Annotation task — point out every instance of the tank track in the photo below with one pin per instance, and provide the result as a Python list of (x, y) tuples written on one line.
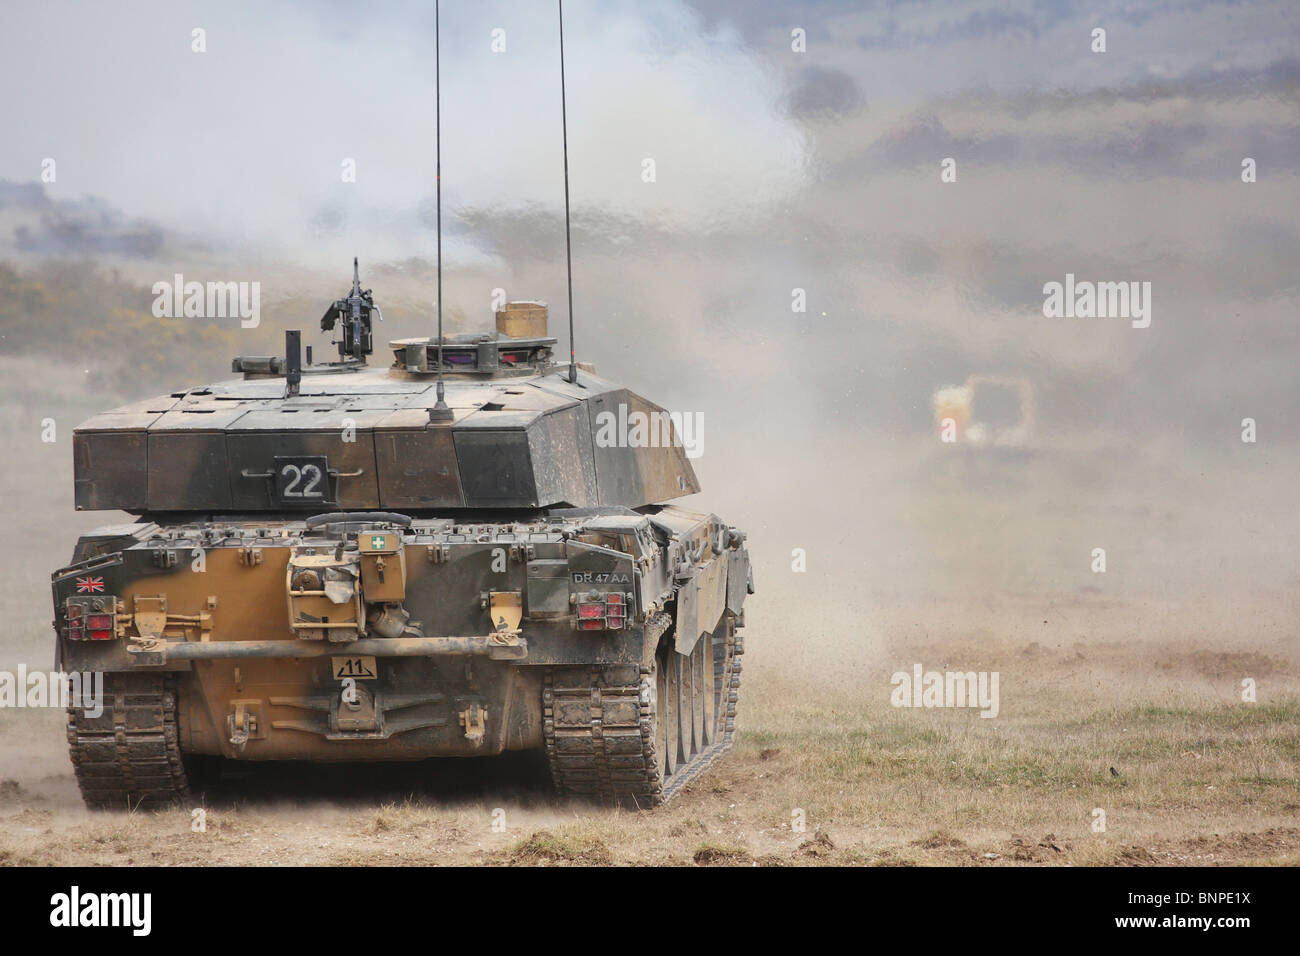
[(600, 727), (129, 757)]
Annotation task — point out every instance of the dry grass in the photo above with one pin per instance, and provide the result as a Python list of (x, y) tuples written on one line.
[(567, 846), (1138, 670), (1203, 778)]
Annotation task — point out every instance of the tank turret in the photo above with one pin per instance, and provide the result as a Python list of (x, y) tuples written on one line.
[(520, 435)]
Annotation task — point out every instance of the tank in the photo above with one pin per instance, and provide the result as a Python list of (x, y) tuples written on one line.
[(464, 553)]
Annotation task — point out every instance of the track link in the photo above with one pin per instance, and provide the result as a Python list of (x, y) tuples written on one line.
[(601, 725), (129, 756)]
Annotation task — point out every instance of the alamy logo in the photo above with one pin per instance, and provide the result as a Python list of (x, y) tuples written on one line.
[(103, 909), (82, 690), (923, 688), (213, 300), (1098, 300), (651, 430)]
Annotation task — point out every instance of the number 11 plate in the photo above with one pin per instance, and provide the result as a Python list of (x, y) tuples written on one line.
[(358, 668)]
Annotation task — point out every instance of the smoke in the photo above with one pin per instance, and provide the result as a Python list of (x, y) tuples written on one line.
[(797, 271), (247, 142)]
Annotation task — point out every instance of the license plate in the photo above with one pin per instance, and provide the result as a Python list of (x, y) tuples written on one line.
[(358, 668)]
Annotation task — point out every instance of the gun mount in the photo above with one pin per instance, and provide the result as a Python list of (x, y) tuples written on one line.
[(353, 310)]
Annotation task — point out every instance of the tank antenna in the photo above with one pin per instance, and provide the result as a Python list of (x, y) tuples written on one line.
[(568, 245), (440, 411)]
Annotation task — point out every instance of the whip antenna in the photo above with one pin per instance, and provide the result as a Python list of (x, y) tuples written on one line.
[(568, 244), (440, 411)]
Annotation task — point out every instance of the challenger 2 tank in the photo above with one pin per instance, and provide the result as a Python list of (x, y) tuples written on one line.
[(332, 563)]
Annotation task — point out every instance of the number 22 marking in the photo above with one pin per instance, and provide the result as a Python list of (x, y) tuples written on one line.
[(307, 471)]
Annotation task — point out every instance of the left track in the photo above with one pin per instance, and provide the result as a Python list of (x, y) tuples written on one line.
[(129, 756)]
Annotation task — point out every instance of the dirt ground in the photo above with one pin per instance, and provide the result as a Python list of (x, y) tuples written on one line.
[(841, 777)]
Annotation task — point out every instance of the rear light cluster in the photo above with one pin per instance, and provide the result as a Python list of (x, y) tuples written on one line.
[(598, 612), (92, 619)]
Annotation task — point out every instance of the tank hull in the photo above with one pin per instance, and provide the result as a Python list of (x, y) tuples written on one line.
[(386, 637)]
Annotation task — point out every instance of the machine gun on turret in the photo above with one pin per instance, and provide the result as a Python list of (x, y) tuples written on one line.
[(354, 312)]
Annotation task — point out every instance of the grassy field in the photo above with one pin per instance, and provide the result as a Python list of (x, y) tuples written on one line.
[(837, 777)]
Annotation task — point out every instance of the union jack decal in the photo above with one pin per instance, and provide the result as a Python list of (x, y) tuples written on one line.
[(89, 585)]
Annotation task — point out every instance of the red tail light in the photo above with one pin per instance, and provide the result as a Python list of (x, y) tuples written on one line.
[(91, 618), (615, 611), (609, 611)]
